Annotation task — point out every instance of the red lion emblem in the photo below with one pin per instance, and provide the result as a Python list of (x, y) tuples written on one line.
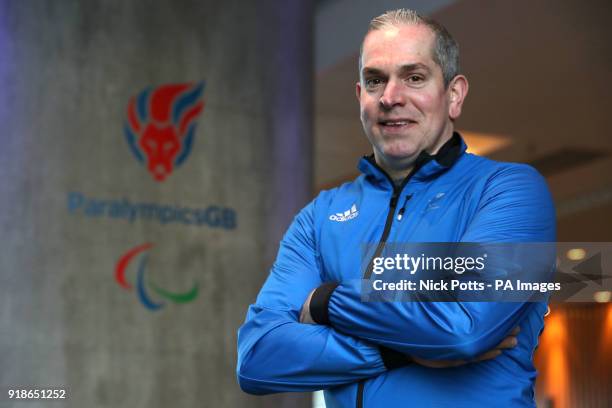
[(161, 125)]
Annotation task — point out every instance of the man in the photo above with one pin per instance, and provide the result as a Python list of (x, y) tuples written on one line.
[(309, 328)]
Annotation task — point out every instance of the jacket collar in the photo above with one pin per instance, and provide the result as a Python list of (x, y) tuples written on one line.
[(426, 165)]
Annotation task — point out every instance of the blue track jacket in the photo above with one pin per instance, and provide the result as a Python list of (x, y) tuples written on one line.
[(353, 357)]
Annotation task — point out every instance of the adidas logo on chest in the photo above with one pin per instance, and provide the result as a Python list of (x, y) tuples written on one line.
[(345, 216)]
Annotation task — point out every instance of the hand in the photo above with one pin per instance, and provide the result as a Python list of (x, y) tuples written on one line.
[(305, 312), (507, 343)]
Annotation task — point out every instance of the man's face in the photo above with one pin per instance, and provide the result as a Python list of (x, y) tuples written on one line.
[(404, 105)]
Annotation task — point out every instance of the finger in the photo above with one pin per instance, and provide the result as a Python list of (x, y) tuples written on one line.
[(515, 331), (507, 343), (488, 355), (303, 314), (439, 363), (452, 363)]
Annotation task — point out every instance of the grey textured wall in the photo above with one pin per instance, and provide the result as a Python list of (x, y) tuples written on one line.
[(67, 72)]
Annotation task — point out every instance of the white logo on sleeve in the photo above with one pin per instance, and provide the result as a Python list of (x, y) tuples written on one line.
[(345, 216), (434, 203)]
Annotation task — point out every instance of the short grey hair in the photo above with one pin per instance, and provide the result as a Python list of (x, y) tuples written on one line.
[(446, 50)]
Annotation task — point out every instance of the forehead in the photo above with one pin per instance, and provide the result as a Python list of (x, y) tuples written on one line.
[(397, 46)]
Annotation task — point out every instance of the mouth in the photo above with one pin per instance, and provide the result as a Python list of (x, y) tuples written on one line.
[(396, 124)]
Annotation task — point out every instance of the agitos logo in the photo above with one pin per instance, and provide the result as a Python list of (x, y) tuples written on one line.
[(142, 288), (160, 125)]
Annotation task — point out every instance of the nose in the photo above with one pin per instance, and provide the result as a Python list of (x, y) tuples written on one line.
[(393, 95)]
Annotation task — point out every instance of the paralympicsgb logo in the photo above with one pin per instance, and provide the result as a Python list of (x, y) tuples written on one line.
[(145, 286), (161, 124)]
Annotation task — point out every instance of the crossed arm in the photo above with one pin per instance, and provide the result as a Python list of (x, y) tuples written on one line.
[(277, 352)]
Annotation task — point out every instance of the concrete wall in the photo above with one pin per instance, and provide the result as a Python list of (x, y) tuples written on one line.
[(67, 72)]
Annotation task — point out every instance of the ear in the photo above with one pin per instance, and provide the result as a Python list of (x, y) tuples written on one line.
[(358, 90), (457, 91)]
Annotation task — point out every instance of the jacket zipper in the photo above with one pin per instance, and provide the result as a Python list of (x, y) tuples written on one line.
[(360, 393), (386, 231), (397, 190), (381, 244)]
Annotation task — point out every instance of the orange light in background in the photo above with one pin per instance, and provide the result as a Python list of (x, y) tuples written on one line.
[(554, 339), (606, 338), (484, 143), (575, 356)]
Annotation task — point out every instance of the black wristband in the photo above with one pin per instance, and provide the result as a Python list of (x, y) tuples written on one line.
[(319, 302), (393, 359)]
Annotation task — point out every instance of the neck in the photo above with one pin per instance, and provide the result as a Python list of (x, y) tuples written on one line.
[(397, 174), (399, 169)]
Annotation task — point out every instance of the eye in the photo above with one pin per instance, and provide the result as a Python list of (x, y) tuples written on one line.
[(372, 83), (415, 78)]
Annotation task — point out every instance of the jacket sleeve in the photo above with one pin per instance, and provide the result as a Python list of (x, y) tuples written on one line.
[(276, 353), (515, 207)]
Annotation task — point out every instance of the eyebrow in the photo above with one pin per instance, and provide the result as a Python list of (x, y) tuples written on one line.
[(414, 67), (404, 68)]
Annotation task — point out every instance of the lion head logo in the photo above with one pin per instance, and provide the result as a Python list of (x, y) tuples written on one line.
[(161, 124)]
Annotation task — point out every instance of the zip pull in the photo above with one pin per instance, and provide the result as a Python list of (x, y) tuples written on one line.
[(400, 215)]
